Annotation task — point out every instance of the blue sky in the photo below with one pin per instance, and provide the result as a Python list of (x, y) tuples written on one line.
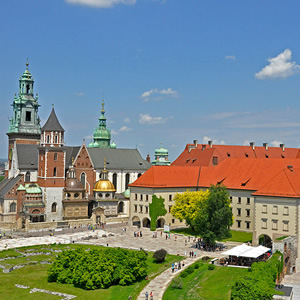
[(170, 71)]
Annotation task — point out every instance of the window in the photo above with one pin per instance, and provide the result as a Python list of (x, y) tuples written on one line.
[(170, 198), (48, 139), (139, 175), (76, 195), (215, 160), (248, 201), (275, 224), (248, 212), (55, 156), (173, 221), (135, 197), (127, 179), (121, 207), (285, 225), (264, 223), (141, 208), (83, 179), (170, 207), (28, 116), (230, 199), (147, 198), (141, 197), (275, 210), (27, 177), (115, 176), (247, 225), (147, 209), (239, 200), (238, 211), (56, 139), (264, 209), (13, 207), (135, 208), (53, 207), (286, 210), (54, 172), (27, 89)]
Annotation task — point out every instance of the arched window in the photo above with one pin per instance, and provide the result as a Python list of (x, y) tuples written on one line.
[(13, 207), (55, 156), (54, 172), (56, 139), (48, 139), (139, 175), (27, 177), (27, 89), (53, 207), (121, 207), (83, 179), (115, 180), (127, 178)]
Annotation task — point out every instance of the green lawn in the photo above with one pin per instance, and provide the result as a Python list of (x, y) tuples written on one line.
[(35, 276), (237, 236), (205, 284)]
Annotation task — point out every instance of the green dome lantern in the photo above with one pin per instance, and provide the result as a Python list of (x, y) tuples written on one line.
[(161, 157)]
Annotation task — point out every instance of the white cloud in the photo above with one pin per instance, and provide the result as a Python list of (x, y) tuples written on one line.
[(207, 138), (157, 94), (114, 132), (79, 94), (124, 129), (147, 119), (275, 143), (126, 120), (101, 3), (280, 66), (230, 57)]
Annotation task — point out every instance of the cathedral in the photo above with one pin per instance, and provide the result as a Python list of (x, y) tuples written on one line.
[(48, 184)]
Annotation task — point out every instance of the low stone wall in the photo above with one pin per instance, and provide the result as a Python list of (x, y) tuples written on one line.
[(12, 226), (117, 220), (41, 225), (80, 223)]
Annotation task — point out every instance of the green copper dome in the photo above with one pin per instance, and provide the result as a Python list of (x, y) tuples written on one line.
[(21, 188), (126, 193), (113, 145), (161, 157), (33, 188)]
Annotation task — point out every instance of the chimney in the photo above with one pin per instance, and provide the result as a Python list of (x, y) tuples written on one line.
[(282, 146), (196, 143), (210, 144), (290, 167), (148, 158), (252, 145), (266, 146)]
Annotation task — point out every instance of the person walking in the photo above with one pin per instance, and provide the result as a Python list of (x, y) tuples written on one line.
[(173, 266), (151, 295), (146, 295)]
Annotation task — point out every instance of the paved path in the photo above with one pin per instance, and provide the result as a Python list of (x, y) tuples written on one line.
[(160, 283), (294, 281)]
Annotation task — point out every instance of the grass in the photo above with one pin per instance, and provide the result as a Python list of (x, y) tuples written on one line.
[(236, 236), (281, 238), (206, 284), (9, 253), (35, 276)]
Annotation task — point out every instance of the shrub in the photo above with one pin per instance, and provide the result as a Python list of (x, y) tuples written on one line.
[(190, 269), (177, 283), (160, 255), (197, 266), (184, 274), (205, 258), (211, 267)]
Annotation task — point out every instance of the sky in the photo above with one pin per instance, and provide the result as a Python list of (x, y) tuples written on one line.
[(169, 71)]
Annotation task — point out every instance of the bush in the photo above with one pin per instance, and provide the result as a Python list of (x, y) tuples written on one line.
[(205, 258), (197, 266), (184, 274), (177, 283), (98, 268), (190, 269), (160, 255), (211, 267)]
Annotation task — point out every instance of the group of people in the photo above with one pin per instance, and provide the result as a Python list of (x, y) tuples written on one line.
[(177, 266), (193, 254), (138, 234), (147, 295)]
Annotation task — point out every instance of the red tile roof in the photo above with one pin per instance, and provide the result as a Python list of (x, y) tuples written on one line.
[(202, 154)]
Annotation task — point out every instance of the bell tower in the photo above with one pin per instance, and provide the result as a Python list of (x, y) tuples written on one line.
[(24, 127)]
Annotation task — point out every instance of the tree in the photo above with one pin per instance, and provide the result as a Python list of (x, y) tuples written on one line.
[(159, 255), (156, 209), (187, 204), (208, 213)]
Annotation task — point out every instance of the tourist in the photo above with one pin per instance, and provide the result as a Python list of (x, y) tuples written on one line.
[(141, 234), (166, 236), (175, 238), (182, 263), (173, 267), (195, 254), (151, 296), (146, 295), (176, 266), (179, 266)]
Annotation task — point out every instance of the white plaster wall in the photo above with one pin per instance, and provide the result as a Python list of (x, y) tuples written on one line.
[(52, 195)]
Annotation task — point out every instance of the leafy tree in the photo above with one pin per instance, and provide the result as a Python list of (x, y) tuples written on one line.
[(208, 213), (156, 209), (187, 205)]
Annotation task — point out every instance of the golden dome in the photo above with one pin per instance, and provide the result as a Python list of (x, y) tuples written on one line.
[(104, 186)]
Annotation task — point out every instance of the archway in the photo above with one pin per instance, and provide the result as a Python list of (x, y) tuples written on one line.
[(121, 207), (136, 221), (160, 223), (265, 240), (146, 223)]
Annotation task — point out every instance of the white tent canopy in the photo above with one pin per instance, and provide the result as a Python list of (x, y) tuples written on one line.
[(247, 251)]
